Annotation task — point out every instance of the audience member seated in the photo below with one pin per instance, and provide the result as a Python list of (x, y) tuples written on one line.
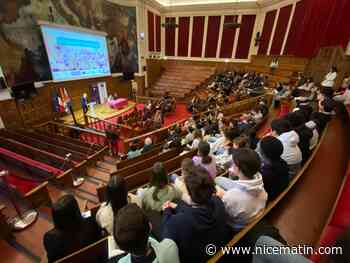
[(329, 79), (246, 197), (343, 97), (315, 135), (205, 160), (325, 111), (133, 151), (274, 169), (291, 153), (71, 230), (131, 233), (116, 198), (197, 138), (195, 226), (187, 167), (159, 191), (297, 122), (148, 145)]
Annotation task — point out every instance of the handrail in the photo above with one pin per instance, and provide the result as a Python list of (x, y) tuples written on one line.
[(271, 205)]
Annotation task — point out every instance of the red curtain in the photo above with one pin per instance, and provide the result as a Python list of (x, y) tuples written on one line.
[(228, 37), (245, 36), (212, 36), (197, 36), (158, 34), (266, 33), (170, 37), (298, 18), (150, 17), (184, 26), (280, 30), (325, 23)]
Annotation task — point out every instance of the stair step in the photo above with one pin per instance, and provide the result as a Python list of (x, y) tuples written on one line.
[(110, 167), (98, 174)]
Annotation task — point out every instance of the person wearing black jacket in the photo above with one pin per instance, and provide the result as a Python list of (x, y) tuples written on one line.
[(274, 169), (194, 226), (71, 232)]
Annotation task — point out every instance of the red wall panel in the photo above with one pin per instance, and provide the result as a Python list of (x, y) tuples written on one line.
[(170, 37), (267, 30), (228, 38), (197, 36), (281, 29), (245, 36), (158, 34), (150, 17), (297, 21), (184, 30), (266, 33), (212, 36)]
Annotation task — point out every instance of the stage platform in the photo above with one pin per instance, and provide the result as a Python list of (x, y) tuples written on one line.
[(102, 111)]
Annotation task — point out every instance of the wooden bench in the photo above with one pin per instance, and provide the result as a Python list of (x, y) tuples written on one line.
[(144, 164), (144, 156), (45, 146), (96, 252)]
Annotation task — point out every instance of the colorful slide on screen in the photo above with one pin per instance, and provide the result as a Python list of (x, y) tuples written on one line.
[(75, 55)]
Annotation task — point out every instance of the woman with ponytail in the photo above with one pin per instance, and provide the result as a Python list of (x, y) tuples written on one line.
[(205, 160)]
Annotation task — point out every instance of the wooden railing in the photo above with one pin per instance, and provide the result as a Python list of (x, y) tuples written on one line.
[(89, 135), (102, 125)]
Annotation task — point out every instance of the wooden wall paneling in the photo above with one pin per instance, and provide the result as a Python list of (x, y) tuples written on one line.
[(9, 114), (154, 70)]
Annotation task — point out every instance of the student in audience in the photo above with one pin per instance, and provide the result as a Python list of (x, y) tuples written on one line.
[(344, 97), (160, 190), (297, 122), (195, 226), (148, 145), (132, 234), (187, 167), (325, 112), (205, 160), (330, 78), (246, 197), (117, 197), (274, 169), (71, 231), (291, 152), (315, 135), (133, 151), (197, 138)]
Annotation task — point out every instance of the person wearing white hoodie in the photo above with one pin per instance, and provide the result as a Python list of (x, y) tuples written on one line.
[(290, 139), (246, 197)]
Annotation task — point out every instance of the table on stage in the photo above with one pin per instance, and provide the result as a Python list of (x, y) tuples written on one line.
[(118, 103)]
